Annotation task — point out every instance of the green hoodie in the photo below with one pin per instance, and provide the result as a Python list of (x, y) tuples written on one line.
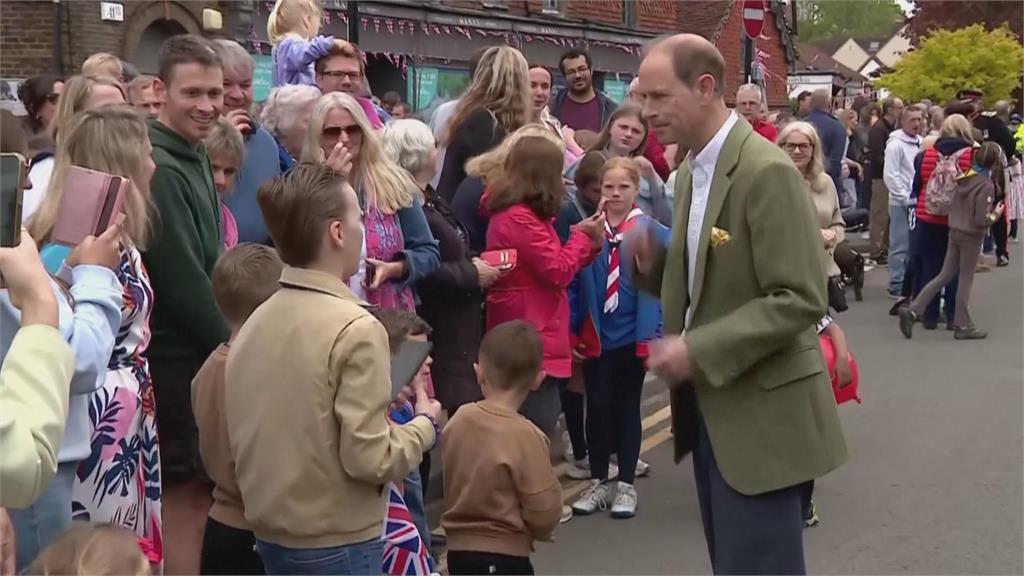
[(184, 245)]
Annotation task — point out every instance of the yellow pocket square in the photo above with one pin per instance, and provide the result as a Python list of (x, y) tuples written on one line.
[(719, 237)]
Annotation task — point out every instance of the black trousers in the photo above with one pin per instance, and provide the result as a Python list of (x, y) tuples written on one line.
[(615, 383), (228, 550), (999, 237), (760, 534), (476, 563)]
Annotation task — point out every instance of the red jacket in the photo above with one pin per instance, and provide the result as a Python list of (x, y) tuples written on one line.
[(929, 160), (766, 129), (655, 152), (536, 290)]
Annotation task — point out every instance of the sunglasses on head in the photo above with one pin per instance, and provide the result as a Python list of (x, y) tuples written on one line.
[(335, 131)]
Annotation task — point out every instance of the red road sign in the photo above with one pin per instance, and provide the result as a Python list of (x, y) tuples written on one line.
[(753, 18)]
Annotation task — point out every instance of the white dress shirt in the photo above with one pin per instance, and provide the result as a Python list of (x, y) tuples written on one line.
[(702, 166)]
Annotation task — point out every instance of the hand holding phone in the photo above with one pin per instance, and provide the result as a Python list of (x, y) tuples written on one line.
[(103, 251), (95, 203), (12, 190), (27, 282)]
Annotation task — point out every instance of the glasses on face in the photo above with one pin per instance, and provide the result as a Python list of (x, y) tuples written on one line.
[(794, 146), (341, 75), (334, 132), (574, 71)]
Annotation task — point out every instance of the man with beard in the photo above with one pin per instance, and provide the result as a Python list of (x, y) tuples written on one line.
[(260, 164), (579, 106), (184, 246)]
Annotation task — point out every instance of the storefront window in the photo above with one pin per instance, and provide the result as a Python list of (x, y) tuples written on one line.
[(429, 86)]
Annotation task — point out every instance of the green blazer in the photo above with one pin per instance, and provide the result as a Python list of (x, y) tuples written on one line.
[(759, 378)]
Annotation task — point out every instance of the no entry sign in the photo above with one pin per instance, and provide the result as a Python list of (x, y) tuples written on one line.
[(753, 18)]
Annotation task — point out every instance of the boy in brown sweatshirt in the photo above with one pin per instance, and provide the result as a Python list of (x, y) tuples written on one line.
[(500, 492), (243, 278)]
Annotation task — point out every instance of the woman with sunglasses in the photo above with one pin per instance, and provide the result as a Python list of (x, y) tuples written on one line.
[(78, 94), (398, 248)]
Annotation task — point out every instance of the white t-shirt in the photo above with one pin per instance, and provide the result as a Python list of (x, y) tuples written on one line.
[(39, 176)]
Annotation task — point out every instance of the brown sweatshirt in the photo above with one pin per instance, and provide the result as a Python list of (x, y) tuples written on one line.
[(500, 492), (972, 202), (214, 447)]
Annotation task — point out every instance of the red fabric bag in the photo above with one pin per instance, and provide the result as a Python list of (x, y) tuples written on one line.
[(846, 393)]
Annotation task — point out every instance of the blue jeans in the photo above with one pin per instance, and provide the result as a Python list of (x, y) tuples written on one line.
[(413, 497), (362, 558), (37, 526), (899, 246)]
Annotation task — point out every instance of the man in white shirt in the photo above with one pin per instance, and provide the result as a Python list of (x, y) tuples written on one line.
[(742, 285), (900, 151)]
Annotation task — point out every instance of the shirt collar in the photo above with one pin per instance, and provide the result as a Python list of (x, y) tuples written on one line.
[(317, 281), (706, 159)]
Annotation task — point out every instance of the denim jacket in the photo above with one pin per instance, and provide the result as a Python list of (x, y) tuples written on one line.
[(90, 328)]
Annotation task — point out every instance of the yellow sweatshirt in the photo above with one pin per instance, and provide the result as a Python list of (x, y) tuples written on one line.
[(34, 389)]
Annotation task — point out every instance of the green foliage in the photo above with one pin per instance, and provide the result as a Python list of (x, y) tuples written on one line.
[(948, 60), (818, 19)]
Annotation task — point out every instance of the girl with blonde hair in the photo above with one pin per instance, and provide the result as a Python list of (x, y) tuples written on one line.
[(496, 104), (293, 28), (93, 550), (481, 172), (80, 93), (119, 482), (399, 249)]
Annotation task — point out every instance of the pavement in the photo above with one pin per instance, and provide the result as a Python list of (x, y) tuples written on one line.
[(933, 484)]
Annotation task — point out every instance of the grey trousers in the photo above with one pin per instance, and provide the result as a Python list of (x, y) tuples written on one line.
[(962, 257), (879, 224)]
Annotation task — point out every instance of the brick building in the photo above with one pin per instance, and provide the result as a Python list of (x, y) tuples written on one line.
[(418, 48)]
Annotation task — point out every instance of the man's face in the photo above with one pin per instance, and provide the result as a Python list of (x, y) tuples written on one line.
[(146, 100), (400, 111), (748, 104), (341, 74), (804, 105), (339, 126), (540, 88), (912, 122), (193, 100), (103, 95), (237, 90), (350, 230), (671, 108), (578, 74), (896, 111)]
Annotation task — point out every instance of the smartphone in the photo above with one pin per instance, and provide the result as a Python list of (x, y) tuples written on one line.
[(406, 363), (97, 199), (12, 193)]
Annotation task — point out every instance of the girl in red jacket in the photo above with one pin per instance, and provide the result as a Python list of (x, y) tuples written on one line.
[(523, 202)]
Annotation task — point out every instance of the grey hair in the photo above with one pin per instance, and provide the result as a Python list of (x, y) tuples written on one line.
[(751, 88), (284, 105), (409, 143), (234, 57)]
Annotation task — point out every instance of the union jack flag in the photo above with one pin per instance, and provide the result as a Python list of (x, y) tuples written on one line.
[(405, 553)]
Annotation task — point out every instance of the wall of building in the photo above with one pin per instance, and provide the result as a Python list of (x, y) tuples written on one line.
[(851, 55), (891, 52), (730, 43)]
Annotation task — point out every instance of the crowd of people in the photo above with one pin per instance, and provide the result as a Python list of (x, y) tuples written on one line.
[(205, 387)]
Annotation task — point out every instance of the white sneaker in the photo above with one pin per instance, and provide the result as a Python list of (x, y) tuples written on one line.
[(643, 469), (593, 499), (566, 515), (625, 501), (580, 469)]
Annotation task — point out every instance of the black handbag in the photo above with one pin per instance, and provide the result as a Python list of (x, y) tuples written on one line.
[(837, 294)]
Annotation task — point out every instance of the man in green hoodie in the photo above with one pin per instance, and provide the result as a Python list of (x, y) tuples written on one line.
[(186, 242)]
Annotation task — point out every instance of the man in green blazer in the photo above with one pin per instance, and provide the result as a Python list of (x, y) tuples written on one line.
[(742, 286)]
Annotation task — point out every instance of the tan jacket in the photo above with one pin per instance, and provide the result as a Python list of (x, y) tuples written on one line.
[(308, 386), (500, 493), (214, 447)]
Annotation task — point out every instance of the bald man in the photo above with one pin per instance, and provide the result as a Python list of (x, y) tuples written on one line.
[(742, 285)]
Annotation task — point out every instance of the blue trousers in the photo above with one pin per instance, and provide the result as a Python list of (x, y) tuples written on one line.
[(929, 246), (413, 496), (362, 558), (761, 534), (37, 526)]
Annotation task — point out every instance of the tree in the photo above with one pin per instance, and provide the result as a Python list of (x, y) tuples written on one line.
[(948, 60), (952, 14), (819, 19)]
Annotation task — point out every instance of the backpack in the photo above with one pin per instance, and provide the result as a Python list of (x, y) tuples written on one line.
[(942, 185)]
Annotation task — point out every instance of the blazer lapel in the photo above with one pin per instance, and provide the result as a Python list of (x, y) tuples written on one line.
[(720, 186)]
